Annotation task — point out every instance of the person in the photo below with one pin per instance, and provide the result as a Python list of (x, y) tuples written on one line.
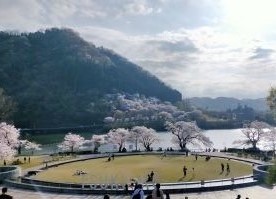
[(25, 159), (157, 193), (29, 159), (227, 168), (149, 178), (106, 196), (4, 195), (151, 175), (222, 167), (238, 196), (184, 171), (167, 195), (138, 192), (126, 188), (5, 163)]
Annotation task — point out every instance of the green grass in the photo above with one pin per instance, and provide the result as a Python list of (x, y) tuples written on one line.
[(122, 169)]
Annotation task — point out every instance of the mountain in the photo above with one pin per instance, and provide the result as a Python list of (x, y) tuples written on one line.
[(57, 78), (224, 103)]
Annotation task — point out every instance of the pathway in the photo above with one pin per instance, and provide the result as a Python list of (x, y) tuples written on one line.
[(255, 192)]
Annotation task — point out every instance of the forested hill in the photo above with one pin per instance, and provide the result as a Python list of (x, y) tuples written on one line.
[(224, 103), (56, 78)]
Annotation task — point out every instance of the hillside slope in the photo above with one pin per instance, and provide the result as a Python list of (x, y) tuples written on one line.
[(56, 78)]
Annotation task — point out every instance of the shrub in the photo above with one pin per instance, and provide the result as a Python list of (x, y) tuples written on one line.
[(271, 177)]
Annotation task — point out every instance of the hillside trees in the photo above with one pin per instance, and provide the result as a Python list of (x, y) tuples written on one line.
[(55, 76), (271, 100), (7, 106)]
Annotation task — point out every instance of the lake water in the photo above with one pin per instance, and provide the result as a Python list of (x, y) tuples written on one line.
[(220, 139)]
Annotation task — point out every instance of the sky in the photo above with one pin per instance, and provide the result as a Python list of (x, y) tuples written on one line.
[(203, 48)]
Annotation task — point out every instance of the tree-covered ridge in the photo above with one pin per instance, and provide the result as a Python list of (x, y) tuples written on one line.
[(55, 75)]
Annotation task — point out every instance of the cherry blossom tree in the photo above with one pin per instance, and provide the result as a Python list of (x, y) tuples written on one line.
[(147, 137), (187, 133), (71, 142), (9, 141), (253, 133), (134, 136), (98, 140), (32, 146), (118, 136)]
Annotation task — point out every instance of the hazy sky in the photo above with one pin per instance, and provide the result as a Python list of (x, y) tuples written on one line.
[(200, 47)]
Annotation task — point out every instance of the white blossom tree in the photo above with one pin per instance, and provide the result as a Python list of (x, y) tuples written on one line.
[(32, 146), (98, 140), (187, 133), (118, 136), (147, 137), (71, 142), (9, 141), (253, 133)]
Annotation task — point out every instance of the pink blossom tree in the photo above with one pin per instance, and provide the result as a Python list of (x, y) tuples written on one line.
[(9, 141), (71, 142), (187, 133), (98, 140), (118, 136)]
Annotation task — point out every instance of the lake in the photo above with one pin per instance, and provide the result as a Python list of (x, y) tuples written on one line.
[(220, 138)]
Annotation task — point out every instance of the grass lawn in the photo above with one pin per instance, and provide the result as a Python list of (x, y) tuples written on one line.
[(122, 169), (34, 161), (37, 160)]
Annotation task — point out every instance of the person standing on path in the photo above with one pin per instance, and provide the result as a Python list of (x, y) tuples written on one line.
[(4, 195), (157, 193), (138, 192)]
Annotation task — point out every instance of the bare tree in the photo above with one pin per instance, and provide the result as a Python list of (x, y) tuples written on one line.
[(253, 133), (187, 133)]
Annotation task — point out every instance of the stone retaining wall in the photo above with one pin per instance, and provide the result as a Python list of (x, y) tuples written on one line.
[(9, 172)]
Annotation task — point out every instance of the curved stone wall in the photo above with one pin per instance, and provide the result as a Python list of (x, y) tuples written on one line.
[(260, 172), (28, 183), (9, 172)]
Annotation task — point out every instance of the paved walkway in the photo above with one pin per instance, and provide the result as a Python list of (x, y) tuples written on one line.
[(255, 192)]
